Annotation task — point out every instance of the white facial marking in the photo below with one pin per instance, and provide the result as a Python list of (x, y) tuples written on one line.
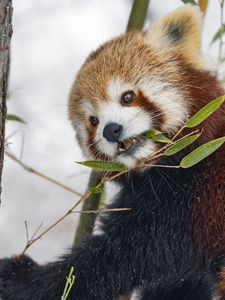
[(88, 108), (169, 99), (116, 87), (82, 136), (135, 120)]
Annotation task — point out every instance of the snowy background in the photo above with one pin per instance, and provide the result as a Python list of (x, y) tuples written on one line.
[(51, 40)]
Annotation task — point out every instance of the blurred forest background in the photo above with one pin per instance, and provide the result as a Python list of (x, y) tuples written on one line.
[(51, 39)]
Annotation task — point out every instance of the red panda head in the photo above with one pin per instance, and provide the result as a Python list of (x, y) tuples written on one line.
[(134, 83)]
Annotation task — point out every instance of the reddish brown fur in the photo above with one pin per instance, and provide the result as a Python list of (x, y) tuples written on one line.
[(208, 214), (127, 50), (98, 51), (150, 107), (198, 88), (208, 218), (92, 145), (203, 88)]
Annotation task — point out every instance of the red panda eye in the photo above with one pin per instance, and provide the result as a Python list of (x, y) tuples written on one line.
[(94, 121), (127, 97)]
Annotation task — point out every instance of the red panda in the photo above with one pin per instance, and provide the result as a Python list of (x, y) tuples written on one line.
[(171, 245)]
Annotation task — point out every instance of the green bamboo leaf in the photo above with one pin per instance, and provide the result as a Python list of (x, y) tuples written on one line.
[(97, 190), (218, 34), (103, 165), (205, 112), (202, 152), (150, 133), (162, 139), (69, 284), (157, 136), (102, 199), (15, 119), (180, 145)]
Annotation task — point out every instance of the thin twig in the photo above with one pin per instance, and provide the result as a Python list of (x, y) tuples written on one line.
[(178, 132), (165, 166), (89, 193), (114, 176), (32, 241), (70, 211), (189, 134), (101, 210), (34, 171), (36, 231), (27, 232)]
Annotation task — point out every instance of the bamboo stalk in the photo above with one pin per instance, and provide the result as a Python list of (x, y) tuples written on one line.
[(138, 15), (87, 221)]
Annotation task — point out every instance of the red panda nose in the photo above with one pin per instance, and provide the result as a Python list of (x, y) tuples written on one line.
[(112, 132)]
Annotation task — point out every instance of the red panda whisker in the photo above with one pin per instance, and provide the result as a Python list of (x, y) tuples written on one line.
[(169, 185), (95, 143)]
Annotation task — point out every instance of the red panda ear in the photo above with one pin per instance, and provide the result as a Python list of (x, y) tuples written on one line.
[(180, 30)]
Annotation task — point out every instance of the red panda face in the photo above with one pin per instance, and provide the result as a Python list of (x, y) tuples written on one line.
[(128, 86)]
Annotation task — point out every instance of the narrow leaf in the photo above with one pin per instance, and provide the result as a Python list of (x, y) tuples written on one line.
[(103, 165), (97, 190), (203, 5), (157, 136), (69, 284), (161, 139), (180, 145), (218, 34), (15, 119), (205, 112), (189, 1), (102, 199), (200, 153), (152, 132)]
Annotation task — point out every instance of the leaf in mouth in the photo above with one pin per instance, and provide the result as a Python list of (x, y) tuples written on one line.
[(125, 145), (157, 136)]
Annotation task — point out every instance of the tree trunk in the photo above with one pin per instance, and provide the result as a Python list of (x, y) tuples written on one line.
[(5, 37)]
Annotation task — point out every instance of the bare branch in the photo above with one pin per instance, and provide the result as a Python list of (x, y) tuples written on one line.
[(42, 175)]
